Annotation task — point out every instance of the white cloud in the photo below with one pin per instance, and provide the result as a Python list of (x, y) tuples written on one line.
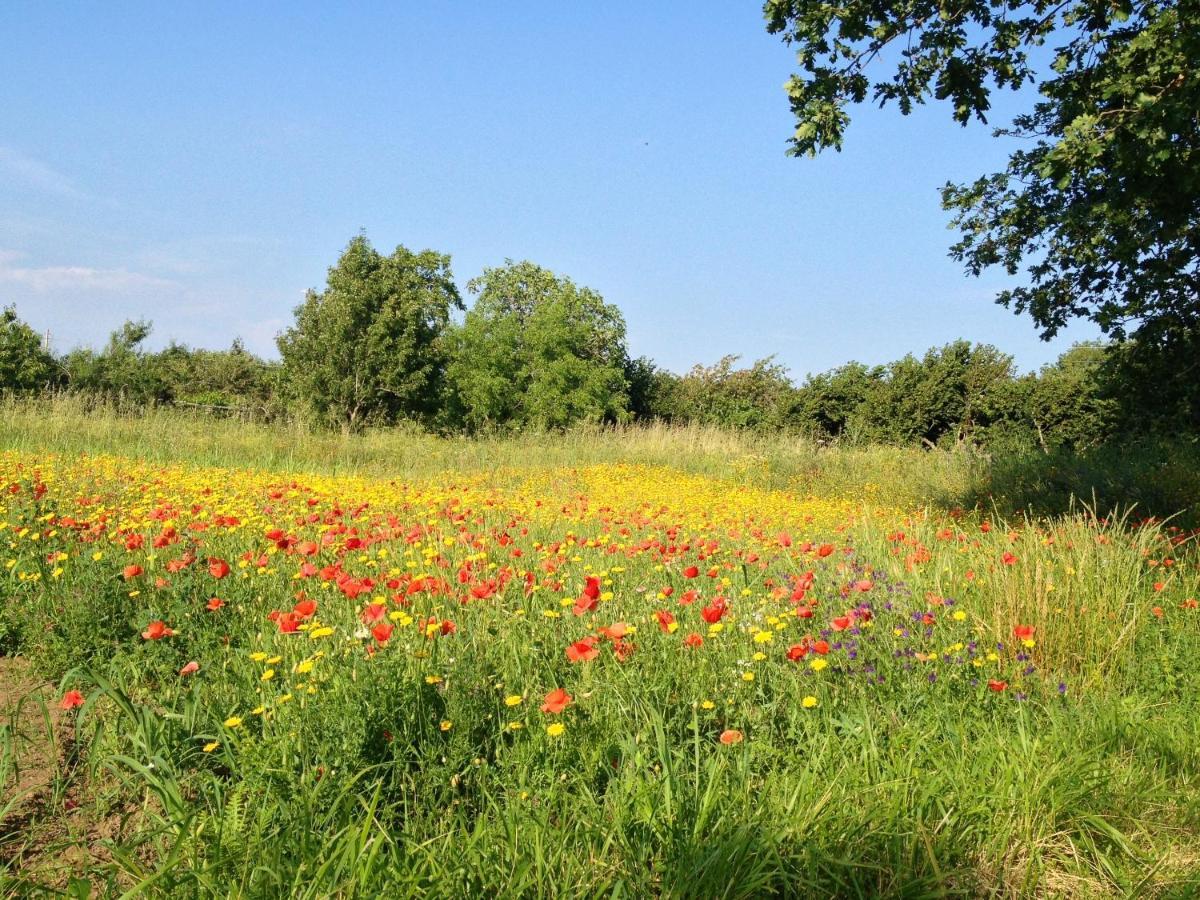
[(36, 174), (45, 279)]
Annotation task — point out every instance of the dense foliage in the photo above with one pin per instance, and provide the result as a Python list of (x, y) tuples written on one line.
[(381, 346), (368, 349)]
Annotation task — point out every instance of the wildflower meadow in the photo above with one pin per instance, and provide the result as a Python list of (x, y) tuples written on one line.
[(617, 678)]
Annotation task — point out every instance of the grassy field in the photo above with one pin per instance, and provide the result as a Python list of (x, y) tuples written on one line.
[(244, 660)]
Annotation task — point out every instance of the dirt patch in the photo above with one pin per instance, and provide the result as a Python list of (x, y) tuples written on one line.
[(30, 724), (49, 832)]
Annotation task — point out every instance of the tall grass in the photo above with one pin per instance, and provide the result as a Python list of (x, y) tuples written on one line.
[(1154, 479), (399, 774)]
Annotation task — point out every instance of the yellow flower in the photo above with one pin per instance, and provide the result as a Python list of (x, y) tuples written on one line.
[(445, 725), (818, 664), (233, 722), (763, 637), (433, 679), (515, 726), (747, 676), (809, 702), (513, 700), (958, 615), (555, 729), (267, 675), (211, 746), (258, 656), (707, 704)]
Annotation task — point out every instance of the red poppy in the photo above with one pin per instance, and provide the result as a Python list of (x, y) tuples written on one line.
[(214, 604), (374, 612), (307, 548), (825, 550), (132, 571), (804, 612), (556, 701), (1008, 558), (382, 631), (71, 700), (731, 736), (1023, 632), (190, 669), (841, 623), (157, 630), (304, 608), (691, 572), (1158, 612), (218, 568), (585, 604), (821, 648), (615, 631), (665, 621), (714, 611), (997, 686), (583, 651), (797, 652), (693, 640), (288, 623)]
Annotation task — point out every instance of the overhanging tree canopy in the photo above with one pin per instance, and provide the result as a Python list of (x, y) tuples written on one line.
[(1101, 205)]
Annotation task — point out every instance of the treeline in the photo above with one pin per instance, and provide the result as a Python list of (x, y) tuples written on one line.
[(382, 344)]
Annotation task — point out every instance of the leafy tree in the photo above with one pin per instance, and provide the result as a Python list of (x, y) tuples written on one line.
[(651, 390), (232, 378), (1101, 203), (25, 365), (761, 396), (123, 371), (368, 349), (537, 350), (940, 398), (1155, 387), (831, 402)]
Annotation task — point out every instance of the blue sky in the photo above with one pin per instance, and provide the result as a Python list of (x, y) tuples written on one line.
[(201, 165)]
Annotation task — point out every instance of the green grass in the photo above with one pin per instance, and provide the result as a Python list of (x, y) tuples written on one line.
[(896, 784)]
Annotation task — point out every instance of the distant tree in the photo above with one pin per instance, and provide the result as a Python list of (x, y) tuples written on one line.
[(537, 350), (938, 399), (368, 349), (122, 371), (651, 390), (761, 396), (1069, 404), (1101, 201), (1155, 385), (25, 365), (232, 378), (831, 403)]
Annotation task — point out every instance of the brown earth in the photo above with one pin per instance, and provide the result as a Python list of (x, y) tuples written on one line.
[(49, 834)]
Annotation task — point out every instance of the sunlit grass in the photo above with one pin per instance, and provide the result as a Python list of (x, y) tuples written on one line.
[(346, 691)]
